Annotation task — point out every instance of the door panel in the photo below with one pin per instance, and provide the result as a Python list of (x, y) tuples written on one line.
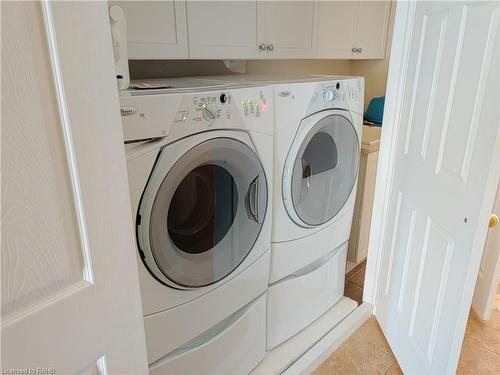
[(448, 125), (222, 29), (65, 207), (155, 29), (371, 29), (288, 26), (337, 29)]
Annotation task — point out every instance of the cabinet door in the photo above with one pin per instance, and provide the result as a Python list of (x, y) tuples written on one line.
[(371, 33), (155, 29), (288, 29), (222, 29), (337, 29)]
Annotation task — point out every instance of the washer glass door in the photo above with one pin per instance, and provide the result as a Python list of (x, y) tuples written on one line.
[(207, 213), (324, 170)]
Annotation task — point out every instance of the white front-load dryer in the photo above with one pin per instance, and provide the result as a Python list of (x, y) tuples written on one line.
[(317, 150), (201, 192)]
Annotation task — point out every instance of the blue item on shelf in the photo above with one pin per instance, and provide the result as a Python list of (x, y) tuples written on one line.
[(375, 110)]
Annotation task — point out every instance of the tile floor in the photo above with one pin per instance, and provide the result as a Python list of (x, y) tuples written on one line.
[(367, 351), (481, 348)]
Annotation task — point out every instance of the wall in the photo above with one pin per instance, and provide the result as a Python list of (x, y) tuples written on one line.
[(342, 67), (142, 69)]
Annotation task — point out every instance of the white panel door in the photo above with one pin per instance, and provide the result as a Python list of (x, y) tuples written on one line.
[(223, 29), (371, 29), (155, 29), (488, 278), (337, 29), (70, 290), (287, 28), (443, 98)]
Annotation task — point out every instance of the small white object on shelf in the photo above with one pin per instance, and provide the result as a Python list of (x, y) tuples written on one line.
[(119, 39)]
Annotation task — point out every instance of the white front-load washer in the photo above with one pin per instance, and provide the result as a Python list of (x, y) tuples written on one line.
[(318, 124), (201, 190)]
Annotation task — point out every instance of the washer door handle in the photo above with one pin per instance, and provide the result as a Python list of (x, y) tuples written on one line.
[(306, 173), (252, 200)]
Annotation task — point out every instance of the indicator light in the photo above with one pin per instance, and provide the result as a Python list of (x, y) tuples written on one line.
[(264, 105)]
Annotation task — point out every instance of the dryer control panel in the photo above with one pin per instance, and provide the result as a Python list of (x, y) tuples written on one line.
[(178, 114), (342, 94), (295, 101)]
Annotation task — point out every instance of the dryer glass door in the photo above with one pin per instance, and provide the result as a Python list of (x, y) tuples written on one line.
[(207, 212), (324, 170)]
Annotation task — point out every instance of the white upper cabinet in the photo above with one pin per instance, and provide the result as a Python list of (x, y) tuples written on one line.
[(222, 29), (252, 29), (256, 29), (371, 29), (337, 29), (353, 29), (155, 29), (287, 29)]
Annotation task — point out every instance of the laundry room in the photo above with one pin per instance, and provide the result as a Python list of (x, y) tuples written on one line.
[(221, 53), (250, 187)]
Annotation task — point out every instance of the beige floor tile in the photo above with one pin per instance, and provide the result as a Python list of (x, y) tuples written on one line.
[(485, 334), (371, 334), (394, 370), (478, 360), (365, 352)]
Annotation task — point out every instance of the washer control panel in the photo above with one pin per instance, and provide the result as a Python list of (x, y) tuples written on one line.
[(212, 107), (177, 114)]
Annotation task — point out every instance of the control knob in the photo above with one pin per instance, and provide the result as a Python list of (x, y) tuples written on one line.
[(329, 95), (208, 114)]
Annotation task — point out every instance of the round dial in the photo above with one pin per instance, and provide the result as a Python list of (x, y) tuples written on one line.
[(208, 113), (329, 95)]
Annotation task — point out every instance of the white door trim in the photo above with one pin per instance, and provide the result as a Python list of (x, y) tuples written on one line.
[(398, 65)]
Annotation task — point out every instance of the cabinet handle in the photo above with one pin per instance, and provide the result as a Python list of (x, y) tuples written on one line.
[(270, 47), (262, 47)]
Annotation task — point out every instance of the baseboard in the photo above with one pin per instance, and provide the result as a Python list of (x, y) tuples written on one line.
[(318, 353)]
